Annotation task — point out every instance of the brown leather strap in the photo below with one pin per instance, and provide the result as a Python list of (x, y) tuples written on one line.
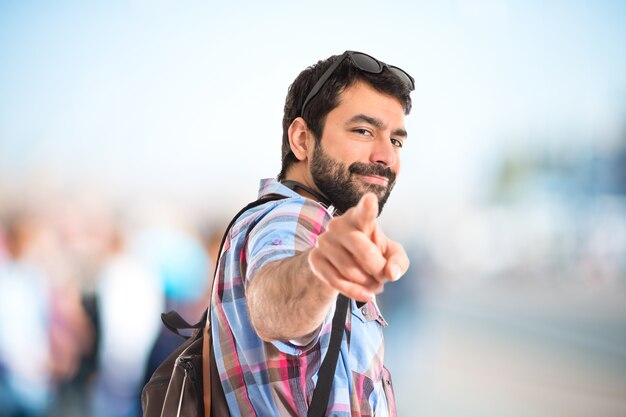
[(206, 366)]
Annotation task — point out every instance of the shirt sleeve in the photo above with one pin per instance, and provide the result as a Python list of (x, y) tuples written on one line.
[(291, 227)]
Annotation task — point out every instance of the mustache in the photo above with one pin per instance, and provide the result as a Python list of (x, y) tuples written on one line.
[(361, 168)]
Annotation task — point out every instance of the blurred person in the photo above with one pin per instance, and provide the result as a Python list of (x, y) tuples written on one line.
[(72, 333), (286, 261), (35, 288), (72, 338), (26, 361), (82, 224), (129, 300)]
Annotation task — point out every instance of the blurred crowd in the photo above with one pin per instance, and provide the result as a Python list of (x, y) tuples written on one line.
[(83, 280), (82, 288)]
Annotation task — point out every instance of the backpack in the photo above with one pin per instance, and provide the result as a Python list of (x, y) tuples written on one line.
[(187, 383), (177, 386)]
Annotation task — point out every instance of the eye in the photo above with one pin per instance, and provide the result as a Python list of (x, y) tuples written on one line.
[(362, 131), (397, 143)]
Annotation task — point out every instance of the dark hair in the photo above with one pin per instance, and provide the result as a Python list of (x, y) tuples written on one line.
[(328, 98)]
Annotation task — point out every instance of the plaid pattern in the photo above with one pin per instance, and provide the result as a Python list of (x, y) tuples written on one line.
[(277, 379)]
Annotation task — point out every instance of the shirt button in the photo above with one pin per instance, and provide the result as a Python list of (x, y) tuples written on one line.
[(365, 311)]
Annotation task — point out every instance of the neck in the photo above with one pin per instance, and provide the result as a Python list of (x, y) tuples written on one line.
[(299, 179), (307, 191)]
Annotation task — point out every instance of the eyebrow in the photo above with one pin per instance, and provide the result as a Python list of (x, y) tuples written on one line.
[(377, 123)]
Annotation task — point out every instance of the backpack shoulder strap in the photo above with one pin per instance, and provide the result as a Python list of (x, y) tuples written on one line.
[(326, 374), (265, 199)]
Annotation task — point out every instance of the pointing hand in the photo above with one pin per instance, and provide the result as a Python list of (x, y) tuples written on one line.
[(354, 256)]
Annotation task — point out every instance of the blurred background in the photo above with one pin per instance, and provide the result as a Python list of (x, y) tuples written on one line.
[(131, 131)]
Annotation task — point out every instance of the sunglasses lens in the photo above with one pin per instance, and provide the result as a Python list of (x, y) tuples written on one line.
[(366, 63), (369, 64), (406, 78)]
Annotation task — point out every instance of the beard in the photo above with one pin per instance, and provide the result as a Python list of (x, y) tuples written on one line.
[(338, 183)]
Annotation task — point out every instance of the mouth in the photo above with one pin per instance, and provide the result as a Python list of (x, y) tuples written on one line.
[(374, 179)]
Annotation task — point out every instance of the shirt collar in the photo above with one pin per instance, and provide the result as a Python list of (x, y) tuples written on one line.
[(272, 186)]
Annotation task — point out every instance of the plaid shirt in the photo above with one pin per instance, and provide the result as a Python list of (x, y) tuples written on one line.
[(277, 379)]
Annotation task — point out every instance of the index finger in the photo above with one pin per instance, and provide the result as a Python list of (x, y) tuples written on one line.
[(363, 215)]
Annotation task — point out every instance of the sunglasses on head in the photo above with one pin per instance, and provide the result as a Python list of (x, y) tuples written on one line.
[(363, 62)]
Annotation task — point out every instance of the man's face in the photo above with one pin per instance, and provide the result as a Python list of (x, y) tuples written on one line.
[(360, 147)]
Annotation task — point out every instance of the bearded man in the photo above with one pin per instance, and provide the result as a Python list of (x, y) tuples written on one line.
[(285, 262)]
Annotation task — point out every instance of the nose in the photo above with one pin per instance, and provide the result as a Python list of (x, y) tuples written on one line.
[(384, 153)]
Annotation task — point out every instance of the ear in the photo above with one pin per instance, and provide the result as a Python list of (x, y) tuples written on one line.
[(300, 138)]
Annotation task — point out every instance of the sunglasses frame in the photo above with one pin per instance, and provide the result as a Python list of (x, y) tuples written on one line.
[(399, 72)]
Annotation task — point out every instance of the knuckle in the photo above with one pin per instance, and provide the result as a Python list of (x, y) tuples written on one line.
[(371, 285), (333, 224), (321, 244), (314, 255)]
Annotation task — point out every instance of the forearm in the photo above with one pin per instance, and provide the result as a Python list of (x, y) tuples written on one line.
[(286, 301)]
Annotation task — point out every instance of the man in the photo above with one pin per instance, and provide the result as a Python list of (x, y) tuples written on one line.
[(286, 261)]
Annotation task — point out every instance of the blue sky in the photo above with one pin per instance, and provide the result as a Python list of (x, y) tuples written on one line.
[(188, 95)]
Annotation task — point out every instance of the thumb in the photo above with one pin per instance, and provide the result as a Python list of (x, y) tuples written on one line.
[(365, 213)]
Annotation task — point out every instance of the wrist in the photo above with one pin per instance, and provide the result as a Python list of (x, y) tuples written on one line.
[(321, 286)]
